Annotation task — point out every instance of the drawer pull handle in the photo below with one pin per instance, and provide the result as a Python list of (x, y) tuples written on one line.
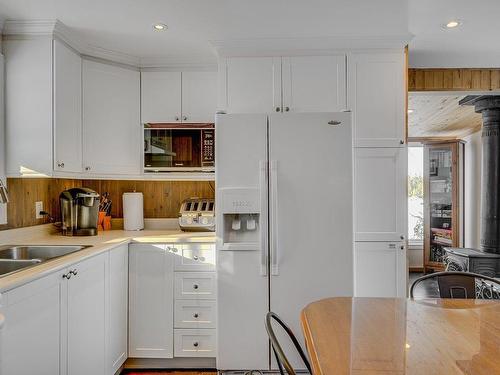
[(196, 257), (67, 275), (195, 286), (173, 249), (195, 315), (195, 344), (74, 272)]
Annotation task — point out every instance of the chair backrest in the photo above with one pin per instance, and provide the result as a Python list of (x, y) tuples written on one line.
[(460, 285), (278, 350)]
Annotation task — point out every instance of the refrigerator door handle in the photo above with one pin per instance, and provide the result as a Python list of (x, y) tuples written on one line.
[(274, 218), (263, 217)]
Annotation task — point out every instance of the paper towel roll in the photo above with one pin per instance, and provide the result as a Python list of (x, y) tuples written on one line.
[(133, 211)]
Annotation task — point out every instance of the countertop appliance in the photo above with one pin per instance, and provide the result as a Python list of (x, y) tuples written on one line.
[(284, 225), (179, 147), (197, 215), (80, 211)]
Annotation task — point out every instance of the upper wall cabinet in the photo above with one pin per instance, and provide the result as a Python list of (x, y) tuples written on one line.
[(161, 96), (178, 96), (28, 106), (283, 84), (314, 83), (43, 108), (111, 119), (251, 84), (376, 98), (67, 109)]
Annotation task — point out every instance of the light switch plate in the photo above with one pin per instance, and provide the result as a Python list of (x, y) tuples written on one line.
[(38, 209)]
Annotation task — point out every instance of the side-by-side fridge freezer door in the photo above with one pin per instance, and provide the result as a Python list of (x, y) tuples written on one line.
[(242, 284)]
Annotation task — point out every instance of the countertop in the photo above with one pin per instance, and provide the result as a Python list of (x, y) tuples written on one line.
[(104, 241), (400, 336)]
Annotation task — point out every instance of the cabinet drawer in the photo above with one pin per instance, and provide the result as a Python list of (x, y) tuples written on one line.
[(195, 285), (194, 314), (194, 257), (194, 343)]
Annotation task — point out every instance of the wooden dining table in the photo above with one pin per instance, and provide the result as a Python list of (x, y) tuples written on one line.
[(402, 336)]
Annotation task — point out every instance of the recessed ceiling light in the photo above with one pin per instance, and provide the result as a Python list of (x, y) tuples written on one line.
[(452, 24), (159, 27)]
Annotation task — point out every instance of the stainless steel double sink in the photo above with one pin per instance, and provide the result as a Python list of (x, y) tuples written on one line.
[(15, 258)]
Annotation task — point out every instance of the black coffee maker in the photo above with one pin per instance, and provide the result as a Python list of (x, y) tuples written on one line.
[(80, 211)]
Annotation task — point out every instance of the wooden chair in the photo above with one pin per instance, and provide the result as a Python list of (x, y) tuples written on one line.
[(277, 349), (461, 285)]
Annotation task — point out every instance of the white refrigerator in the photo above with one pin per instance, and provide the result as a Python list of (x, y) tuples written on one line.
[(284, 225)]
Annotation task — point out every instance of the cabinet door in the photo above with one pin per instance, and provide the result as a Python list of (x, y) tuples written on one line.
[(314, 83), (111, 124), (377, 99), (252, 84), (67, 109), (31, 333), (380, 194), (380, 269), (199, 96), (151, 299), (86, 317), (160, 96), (117, 314)]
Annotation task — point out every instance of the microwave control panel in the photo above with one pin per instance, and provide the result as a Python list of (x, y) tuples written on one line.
[(208, 147)]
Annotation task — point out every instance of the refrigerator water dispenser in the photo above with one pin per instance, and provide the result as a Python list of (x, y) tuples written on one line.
[(239, 212)]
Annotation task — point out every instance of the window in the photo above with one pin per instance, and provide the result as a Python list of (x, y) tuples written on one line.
[(416, 194)]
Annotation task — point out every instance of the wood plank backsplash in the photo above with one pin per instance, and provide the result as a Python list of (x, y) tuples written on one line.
[(162, 199)]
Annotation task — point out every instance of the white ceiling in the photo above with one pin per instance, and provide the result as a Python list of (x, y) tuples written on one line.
[(474, 44), (126, 25)]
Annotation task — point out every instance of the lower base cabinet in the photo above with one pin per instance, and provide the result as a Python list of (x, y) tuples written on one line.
[(380, 269), (194, 342), (60, 324)]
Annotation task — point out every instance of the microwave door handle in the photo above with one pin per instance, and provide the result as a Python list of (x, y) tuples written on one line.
[(274, 219), (263, 218)]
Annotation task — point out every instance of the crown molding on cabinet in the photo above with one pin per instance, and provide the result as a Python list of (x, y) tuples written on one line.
[(29, 29), (307, 46)]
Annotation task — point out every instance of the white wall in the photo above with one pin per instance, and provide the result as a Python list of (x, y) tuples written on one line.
[(472, 187)]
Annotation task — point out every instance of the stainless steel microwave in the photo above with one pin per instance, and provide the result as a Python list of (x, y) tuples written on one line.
[(179, 147)]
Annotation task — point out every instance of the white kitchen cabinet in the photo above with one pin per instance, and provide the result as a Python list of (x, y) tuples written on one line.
[(380, 269), (151, 299), (117, 313), (32, 331), (111, 119), (195, 285), (199, 96), (194, 257), (314, 83), (194, 343), (251, 84), (161, 96), (377, 94), (67, 109), (380, 194), (28, 106), (86, 317)]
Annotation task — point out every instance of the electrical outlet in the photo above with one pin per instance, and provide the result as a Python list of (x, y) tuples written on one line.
[(38, 209)]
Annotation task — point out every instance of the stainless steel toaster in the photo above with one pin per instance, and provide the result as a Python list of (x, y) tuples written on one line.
[(197, 215)]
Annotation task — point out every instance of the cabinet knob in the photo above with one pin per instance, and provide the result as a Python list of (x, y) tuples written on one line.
[(401, 142), (195, 344), (176, 118), (60, 165), (196, 257), (67, 276), (173, 249), (74, 272), (195, 315), (195, 286), (402, 247), (184, 118), (278, 109), (287, 109), (402, 237), (87, 168)]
